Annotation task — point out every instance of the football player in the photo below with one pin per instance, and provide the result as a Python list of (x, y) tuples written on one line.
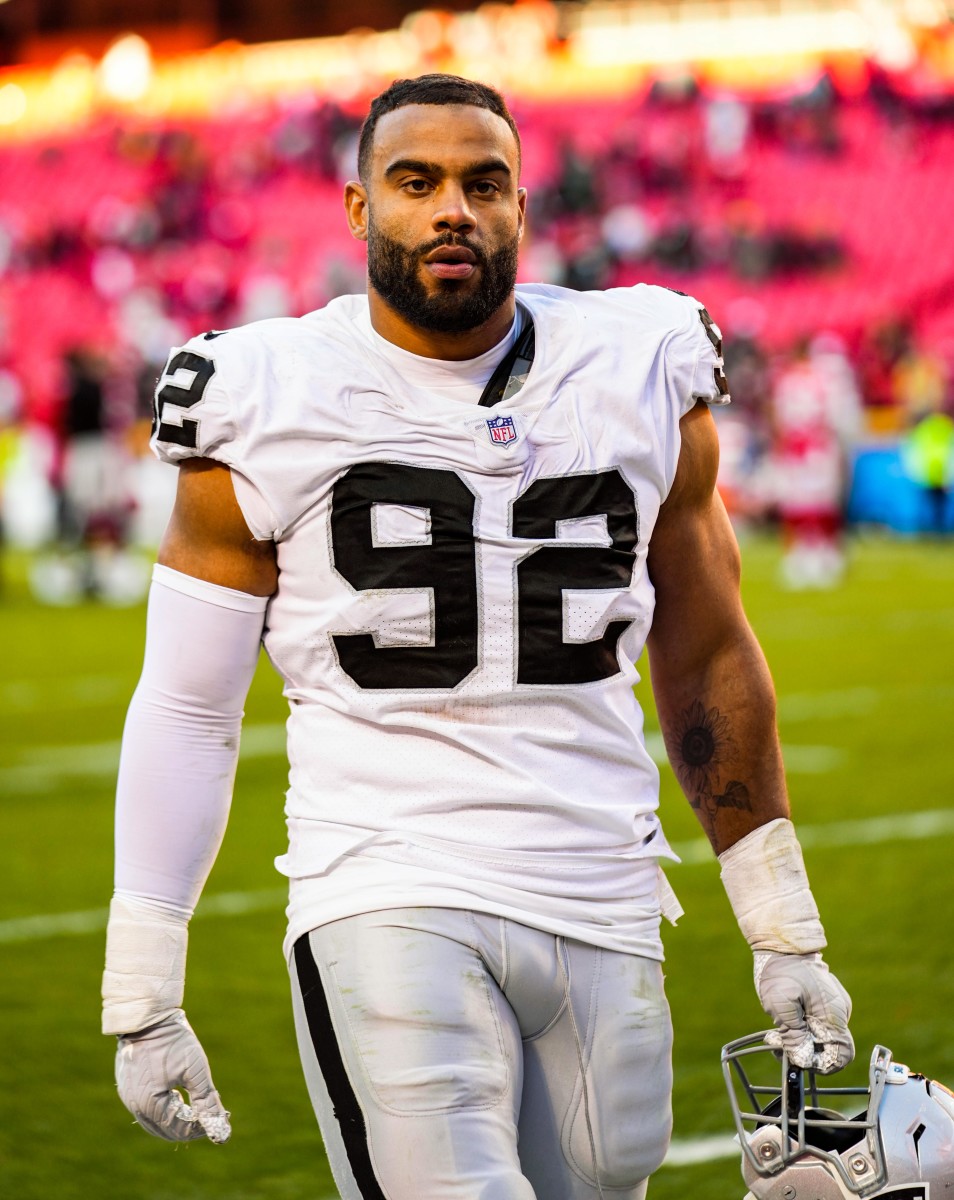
[(455, 510)]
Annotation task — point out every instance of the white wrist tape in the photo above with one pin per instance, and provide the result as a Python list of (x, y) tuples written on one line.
[(765, 880), (145, 963)]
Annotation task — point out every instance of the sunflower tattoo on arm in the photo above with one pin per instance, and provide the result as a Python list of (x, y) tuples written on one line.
[(703, 744)]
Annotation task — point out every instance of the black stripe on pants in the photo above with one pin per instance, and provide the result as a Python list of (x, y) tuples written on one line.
[(350, 1118)]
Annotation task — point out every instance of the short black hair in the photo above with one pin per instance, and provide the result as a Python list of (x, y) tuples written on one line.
[(430, 89)]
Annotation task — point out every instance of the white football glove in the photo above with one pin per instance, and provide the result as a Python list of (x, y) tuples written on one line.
[(158, 1052), (765, 881), (809, 1007), (152, 1064)]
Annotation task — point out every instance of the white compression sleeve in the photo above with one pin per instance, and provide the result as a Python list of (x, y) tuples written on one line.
[(180, 749), (180, 744)]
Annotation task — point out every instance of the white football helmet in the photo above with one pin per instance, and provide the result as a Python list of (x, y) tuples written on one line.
[(798, 1143)]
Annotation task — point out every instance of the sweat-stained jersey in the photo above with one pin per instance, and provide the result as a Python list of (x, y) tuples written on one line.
[(462, 595)]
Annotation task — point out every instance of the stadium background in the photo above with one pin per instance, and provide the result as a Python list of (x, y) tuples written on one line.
[(176, 167)]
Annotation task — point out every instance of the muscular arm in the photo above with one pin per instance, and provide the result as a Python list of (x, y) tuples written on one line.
[(180, 743), (179, 752), (716, 706), (207, 536), (713, 690)]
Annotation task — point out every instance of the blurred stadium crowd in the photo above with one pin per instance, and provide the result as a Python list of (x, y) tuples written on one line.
[(812, 220)]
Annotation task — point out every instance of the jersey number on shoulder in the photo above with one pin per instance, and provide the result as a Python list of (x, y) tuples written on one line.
[(714, 334), (448, 565), (183, 432)]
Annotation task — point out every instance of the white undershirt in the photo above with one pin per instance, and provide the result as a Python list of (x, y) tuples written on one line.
[(462, 379)]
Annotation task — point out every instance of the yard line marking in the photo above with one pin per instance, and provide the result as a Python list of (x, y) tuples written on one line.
[(811, 706), (906, 620), (686, 1152), (93, 920), (36, 929), (263, 741), (44, 768), (31, 695), (794, 625), (902, 827), (799, 760), (811, 760), (873, 831)]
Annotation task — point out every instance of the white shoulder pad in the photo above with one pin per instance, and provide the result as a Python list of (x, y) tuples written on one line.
[(698, 343), (192, 415), (690, 340)]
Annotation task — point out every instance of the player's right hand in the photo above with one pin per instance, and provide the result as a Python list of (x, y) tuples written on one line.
[(152, 1064)]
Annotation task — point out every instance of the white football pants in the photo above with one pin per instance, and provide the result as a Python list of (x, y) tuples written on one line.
[(453, 1055)]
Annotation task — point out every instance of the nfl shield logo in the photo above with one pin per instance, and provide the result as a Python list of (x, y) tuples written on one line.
[(501, 430)]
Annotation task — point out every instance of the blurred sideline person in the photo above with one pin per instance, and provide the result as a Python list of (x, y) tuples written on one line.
[(452, 510), (91, 557), (816, 419)]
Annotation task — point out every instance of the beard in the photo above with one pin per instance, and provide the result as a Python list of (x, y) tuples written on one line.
[(457, 306)]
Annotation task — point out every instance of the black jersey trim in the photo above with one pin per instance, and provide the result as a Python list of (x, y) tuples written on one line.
[(324, 1039), (513, 368)]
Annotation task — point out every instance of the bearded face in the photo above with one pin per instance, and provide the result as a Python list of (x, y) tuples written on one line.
[(396, 272)]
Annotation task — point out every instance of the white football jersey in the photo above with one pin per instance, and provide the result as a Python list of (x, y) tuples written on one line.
[(462, 596)]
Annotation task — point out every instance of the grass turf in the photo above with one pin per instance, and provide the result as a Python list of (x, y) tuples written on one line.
[(865, 675)]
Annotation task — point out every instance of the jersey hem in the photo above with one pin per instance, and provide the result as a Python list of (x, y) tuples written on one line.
[(427, 897)]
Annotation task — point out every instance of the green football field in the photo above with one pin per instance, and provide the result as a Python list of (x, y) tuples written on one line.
[(865, 676)]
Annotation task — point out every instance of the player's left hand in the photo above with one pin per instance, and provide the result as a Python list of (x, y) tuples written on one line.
[(150, 1068), (810, 1009)]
